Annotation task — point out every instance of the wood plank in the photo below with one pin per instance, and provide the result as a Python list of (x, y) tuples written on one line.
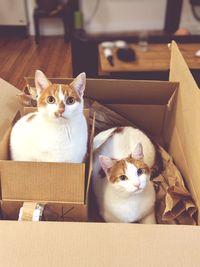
[(156, 58), (21, 57)]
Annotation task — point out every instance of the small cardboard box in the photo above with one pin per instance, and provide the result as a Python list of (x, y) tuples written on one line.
[(62, 187), (170, 112)]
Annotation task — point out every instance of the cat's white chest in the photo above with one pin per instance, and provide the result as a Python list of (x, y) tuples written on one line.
[(53, 142), (40, 140), (127, 209), (65, 143)]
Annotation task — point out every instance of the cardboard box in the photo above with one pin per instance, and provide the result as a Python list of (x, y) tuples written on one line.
[(169, 111), (43, 182)]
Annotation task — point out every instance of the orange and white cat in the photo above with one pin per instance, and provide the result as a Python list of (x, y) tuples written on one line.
[(122, 163), (57, 132)]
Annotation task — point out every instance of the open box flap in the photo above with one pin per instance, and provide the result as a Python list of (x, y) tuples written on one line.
[(9, 106), (184, 128), (94, 244)]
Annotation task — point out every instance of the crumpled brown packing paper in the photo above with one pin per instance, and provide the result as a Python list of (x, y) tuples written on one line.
[(174, 204), (28, 97)]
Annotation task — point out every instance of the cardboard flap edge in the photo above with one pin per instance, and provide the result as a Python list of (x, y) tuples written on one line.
[(9, 105), (184, 118)]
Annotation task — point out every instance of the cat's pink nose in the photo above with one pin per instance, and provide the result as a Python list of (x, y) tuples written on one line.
[(137, 184), (61, 110)]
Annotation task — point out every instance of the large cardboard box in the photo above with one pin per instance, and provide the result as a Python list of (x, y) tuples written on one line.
[(170, 112)]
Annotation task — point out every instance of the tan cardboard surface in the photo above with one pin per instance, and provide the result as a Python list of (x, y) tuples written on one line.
[(90, 160), (8, 104), (96, 245), (130, 92), (124, 91), (4, 145), (147, 117), (185, 126), (41, 184)]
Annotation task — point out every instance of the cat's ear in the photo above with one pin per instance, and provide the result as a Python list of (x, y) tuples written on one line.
[(106, 163), (41, 81), (138, 152), (79, 83)]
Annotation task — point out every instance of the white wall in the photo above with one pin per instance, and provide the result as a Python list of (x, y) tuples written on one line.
[(119, 15), (125, 15), (188, 20), (13, 12)]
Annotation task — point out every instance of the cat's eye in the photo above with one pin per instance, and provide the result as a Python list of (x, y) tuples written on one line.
[(51, 99), (123, 177), (70, 100), (139, 172)]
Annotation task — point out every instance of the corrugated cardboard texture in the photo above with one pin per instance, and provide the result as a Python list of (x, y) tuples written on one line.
[(183, 134), (42, 181), (96, 245), (53, 211)]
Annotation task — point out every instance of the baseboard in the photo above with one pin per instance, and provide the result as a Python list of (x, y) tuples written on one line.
[(14, 31)]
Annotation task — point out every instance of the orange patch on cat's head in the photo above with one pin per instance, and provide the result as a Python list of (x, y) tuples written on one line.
[(119, 168), (54, 90), (139, 164)]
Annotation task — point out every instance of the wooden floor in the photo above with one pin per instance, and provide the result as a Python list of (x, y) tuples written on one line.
[(21, 57)]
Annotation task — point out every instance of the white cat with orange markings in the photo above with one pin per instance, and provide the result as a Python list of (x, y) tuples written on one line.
[(57, 132), (122, 163)]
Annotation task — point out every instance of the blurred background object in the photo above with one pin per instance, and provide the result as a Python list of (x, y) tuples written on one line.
[(143, 41), (87, 23), (47, 5), (182, 32), (14, 18), (102, 16), (195, 5), (53, 9)]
